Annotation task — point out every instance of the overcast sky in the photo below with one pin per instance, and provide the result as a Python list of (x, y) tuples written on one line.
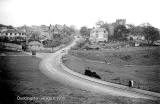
[(78, 12)]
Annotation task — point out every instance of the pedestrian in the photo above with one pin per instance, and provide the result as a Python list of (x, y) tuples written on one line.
[(131, 83)]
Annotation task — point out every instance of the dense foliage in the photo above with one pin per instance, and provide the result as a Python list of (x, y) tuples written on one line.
[(151, 34), (85, 32), (120, 32)]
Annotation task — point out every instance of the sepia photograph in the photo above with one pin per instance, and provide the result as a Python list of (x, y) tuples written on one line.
[(79, 52)]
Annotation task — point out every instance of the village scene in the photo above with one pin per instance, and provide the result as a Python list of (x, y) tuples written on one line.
[(107, 63)]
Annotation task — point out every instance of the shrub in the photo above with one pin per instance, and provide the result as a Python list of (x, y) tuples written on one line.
[(91, 74), (79, 45), (127, 57)]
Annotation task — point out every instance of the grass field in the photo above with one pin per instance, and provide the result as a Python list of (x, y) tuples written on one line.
[(20, 77), (119, 66)]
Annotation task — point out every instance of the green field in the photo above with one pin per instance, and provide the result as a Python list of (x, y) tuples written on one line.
[(119, 66), (20, 77)]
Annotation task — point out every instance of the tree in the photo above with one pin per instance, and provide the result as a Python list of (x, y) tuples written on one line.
[(67, 31), (106, 26), (120, 32), (151, 34), (24, 46), (85, 32), (73, 29), (35, 36), (60, 35), (66, 39), (10, 27), (52, 43), (99, 23), (6, 39), (136, 30)]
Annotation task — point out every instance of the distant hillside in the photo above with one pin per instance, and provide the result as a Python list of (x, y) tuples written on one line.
[(6, 26)]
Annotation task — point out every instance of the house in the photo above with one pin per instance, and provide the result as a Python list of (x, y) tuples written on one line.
[(98, 35), (10, 33), (57, 29)]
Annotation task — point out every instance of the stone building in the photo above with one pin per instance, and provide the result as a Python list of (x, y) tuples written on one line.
[(98, 35)]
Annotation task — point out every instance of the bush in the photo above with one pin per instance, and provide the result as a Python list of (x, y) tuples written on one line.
[(24, 47), (124, 57), (151, 34), (92, 74), (127, 57), (78, 45)]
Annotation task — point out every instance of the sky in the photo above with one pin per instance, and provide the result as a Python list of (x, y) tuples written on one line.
[(78, 12)]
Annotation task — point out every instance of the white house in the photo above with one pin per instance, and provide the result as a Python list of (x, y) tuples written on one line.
[(98, 34), (13, 33)]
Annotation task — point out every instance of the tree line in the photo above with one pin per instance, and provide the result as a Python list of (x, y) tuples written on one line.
[(121, 32)]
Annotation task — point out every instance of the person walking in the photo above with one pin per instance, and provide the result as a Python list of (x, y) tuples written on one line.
[(131, 83)]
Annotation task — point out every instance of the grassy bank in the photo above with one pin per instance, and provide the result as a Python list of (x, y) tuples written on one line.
[(20, 77), (119, 66)]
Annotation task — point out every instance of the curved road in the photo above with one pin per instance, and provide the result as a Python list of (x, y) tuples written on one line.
[(52, 66)]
